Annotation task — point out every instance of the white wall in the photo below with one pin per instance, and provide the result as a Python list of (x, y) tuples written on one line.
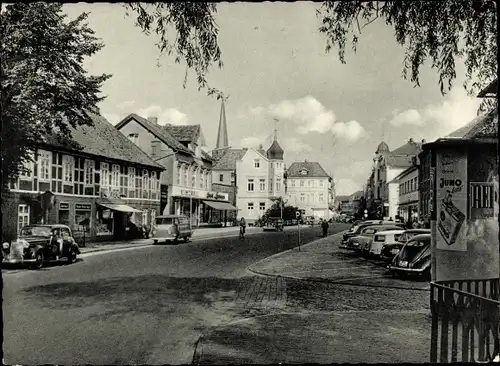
[(311, 192)]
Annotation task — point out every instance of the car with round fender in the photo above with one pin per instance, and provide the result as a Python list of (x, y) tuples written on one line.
[(390, 250), (38, 245), (362, 242), (414, 258), (382, 238), (356, 229)]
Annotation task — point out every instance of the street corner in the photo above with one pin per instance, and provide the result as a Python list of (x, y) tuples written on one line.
[(323, 338)]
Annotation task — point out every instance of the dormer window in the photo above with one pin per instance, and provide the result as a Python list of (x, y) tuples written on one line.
[(303, 172), (134, 137), (155, 148)]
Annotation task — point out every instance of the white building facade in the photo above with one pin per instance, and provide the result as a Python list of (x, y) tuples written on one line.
[(308, 188)]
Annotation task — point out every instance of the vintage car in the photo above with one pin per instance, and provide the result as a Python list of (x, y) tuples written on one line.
[(389, 250), (274, 223), (356, 229), (384, 238), (40, 244), (362, 242), (172, 228), (414, 258)]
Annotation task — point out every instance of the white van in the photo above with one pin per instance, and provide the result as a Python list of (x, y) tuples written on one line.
[(382, 238)]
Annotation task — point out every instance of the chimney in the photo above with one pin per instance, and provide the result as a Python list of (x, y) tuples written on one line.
[(153, 120), (305, 160), (411, 139), (423, 141)]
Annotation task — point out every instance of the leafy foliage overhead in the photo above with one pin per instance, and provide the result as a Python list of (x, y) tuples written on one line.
[(44, 85), (439, 31), (187, 31)]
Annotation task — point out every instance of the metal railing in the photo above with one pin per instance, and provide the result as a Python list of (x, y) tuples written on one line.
[(465, 320)]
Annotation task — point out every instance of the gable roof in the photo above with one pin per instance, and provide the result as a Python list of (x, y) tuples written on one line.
[(314, 169), (483, 126), (183, 133), (103, 139), (156, 130), (410, 148), (342, 198), (229, 159), (402, 157)]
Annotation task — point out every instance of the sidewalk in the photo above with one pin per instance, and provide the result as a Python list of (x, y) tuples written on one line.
[(366, 333)]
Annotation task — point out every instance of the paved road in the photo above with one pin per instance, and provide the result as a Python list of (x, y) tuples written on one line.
[(142, 306)]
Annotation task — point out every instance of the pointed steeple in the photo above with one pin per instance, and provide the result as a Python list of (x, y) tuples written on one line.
[(222, 137)]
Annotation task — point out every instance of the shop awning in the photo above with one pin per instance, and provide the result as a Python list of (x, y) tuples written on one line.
[(222, 206), (121, 208)]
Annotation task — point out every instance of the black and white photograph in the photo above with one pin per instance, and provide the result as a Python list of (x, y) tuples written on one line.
[(224, 183)]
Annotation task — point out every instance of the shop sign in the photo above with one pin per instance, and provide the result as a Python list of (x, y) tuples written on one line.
[(451, 201), (83, 207), (217, 196), (63, 205), (185, 192), (483, 196)]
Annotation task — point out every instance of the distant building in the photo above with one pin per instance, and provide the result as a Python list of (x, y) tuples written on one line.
[(408, 201), (386, 166), (96, 186), (309, 188)]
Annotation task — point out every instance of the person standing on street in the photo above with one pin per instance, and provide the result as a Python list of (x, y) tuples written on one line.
[(324, 226), (243, 226)]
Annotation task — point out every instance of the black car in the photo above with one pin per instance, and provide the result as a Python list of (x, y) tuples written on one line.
[(414, 258), (389, 251), (39, 244)]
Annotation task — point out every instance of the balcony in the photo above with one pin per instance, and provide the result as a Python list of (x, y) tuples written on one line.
[(465, 321)]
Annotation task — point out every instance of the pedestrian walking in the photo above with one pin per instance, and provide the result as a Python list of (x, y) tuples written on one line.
[(243, 225), (324, 226)]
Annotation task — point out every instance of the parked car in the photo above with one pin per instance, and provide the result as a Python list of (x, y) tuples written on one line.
[(389, 250), (362, 242), (274, 223), (382, 238), (40, 244), (414, 258), (172, 228), (356, 229)]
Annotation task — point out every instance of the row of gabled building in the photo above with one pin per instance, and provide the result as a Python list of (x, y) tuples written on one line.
[(110, 176)]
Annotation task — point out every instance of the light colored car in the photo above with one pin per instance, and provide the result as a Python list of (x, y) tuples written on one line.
[(172, 228), (382, 238)]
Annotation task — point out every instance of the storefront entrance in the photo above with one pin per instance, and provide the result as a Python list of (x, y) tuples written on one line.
[(113, 218)]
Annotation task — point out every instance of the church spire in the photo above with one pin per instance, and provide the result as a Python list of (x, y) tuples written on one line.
[(222, 137)]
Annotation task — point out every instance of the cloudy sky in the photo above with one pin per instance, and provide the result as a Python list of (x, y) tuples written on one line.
[(275, 67)]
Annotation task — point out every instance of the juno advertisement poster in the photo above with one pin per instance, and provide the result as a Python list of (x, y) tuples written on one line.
[(451, 201)]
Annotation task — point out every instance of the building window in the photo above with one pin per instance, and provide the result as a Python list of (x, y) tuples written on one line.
[(44, 165), (134, 137), (104, 174), (131, 182), (321, 183), (115, 176), (145, 217), (23, 217), (153, 185), (256, 163), (29, 165), (321, 197), (185, 182), (155, 148), (309, 183), (278, 185), (302, 197), (68, 168), (208, 182), (262, 208), (221, 177), (202, 178), (179, 174), (145, 184), (89, 172), (302, 183), (292, 182), (250, 186), (250, 208), (262, 185), (193, 177)]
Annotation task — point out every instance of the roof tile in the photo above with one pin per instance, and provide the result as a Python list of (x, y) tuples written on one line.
[(229, 159), (314, 169), (183, 133)]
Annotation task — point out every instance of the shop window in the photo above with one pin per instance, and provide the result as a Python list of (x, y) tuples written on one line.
[(44, 165), (104, 174), (68, 169), (104, 225), (250, 186), (250, 208), (23, 216)]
